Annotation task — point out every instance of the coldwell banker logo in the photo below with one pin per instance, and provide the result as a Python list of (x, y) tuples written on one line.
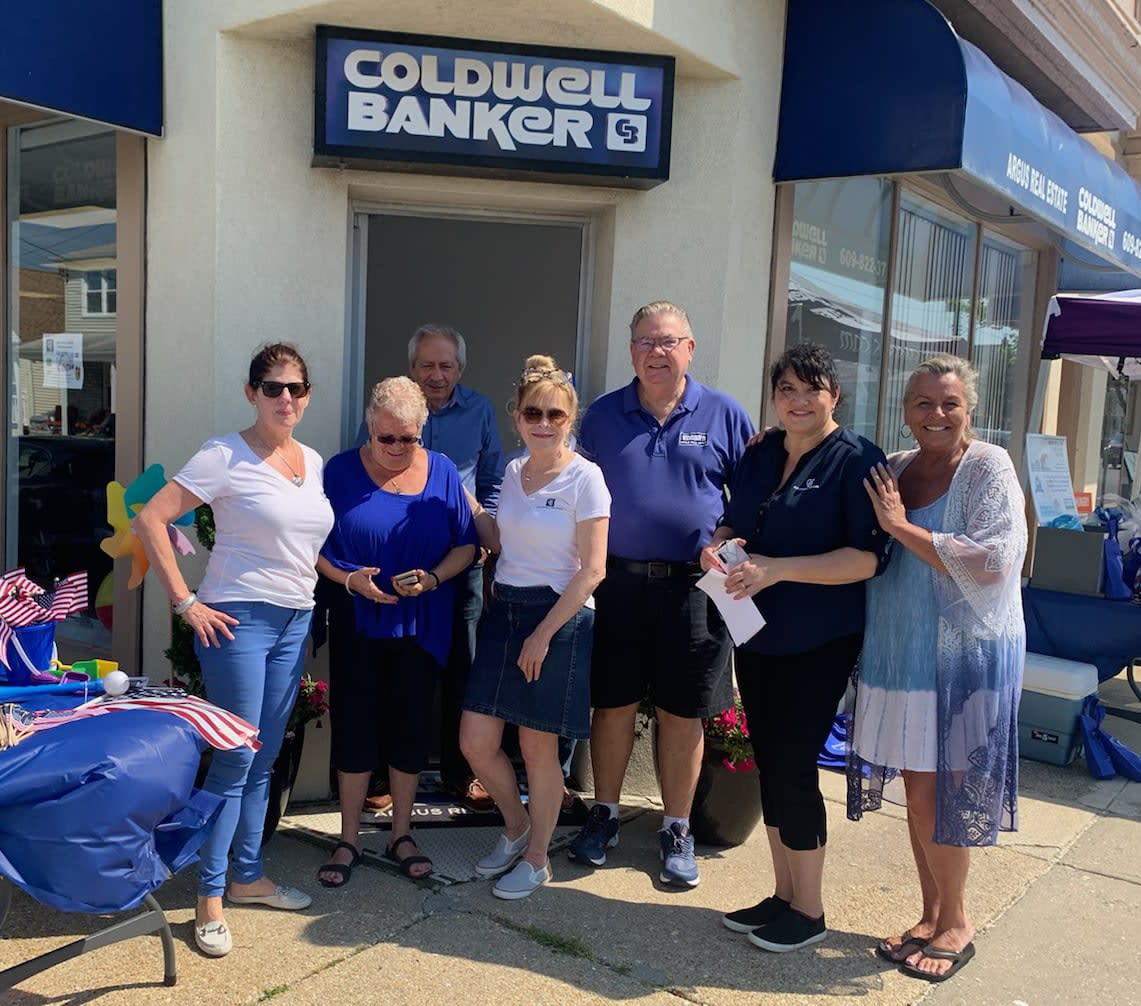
[(388, 97)]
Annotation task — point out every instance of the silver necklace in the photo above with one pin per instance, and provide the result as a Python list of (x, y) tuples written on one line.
[(295, 476)]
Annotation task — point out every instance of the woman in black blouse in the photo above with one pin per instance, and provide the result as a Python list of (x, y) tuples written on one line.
[(799, 508)]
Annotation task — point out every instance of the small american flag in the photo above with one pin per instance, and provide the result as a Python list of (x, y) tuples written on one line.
[(24, 602), (69, 595)]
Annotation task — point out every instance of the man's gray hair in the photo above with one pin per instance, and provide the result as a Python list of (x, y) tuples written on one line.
[(432, 328), (657, 307)]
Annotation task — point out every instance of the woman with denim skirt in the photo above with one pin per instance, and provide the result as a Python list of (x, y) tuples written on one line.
[(250, 616), (532, 661)]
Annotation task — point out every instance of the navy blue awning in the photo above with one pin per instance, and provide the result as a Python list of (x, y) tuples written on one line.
[(98, 61), (888, 88)]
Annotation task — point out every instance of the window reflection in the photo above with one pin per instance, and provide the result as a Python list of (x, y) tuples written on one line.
[(61, 383)]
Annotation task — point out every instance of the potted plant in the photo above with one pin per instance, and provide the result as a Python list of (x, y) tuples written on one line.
[(727, 801), (312, 698)]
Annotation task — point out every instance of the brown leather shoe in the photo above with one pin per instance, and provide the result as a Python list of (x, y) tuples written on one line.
[(379, 803), (476, 797)]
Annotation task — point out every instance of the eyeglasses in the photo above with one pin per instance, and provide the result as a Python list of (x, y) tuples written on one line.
[(273, 389), (667, 345), (533, 414), (389, 439)]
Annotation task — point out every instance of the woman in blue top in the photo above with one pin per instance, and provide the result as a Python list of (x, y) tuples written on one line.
[(799, 508), (403, 530)]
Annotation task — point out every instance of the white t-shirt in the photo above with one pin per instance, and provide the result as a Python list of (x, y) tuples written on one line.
[(269, 531), (537, 532)]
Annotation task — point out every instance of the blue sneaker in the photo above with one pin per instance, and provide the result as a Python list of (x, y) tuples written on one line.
[(598, 834), (678, 863)]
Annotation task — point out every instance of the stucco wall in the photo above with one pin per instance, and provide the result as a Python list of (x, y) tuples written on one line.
[(248, 242)]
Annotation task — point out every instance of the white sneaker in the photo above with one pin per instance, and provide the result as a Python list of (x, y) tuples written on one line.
[(504, 856), (213, 939), (521, 882)]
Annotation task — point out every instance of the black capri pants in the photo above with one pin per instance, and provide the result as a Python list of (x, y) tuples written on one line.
[(384, 689), (790, 702)]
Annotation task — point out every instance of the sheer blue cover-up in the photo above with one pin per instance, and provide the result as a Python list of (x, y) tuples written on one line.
[(941, 672)]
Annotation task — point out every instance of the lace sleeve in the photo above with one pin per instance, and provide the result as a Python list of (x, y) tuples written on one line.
[(983, 544)]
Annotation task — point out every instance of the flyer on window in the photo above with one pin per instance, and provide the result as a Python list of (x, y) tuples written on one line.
[(1051, 487), (63, 359)]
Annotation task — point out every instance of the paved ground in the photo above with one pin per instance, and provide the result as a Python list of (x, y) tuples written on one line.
[(1056, 905)]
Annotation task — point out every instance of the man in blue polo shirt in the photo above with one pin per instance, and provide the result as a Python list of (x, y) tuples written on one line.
[(667, 446), (461, 424)]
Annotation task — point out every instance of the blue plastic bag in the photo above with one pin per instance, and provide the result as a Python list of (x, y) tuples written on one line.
[(1097, 757), (1115, 587)]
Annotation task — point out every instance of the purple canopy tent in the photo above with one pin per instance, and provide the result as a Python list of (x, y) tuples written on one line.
[(1098, 331)]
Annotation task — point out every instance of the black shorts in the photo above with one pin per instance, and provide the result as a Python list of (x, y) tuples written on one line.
[(659, 637), (385, 691)]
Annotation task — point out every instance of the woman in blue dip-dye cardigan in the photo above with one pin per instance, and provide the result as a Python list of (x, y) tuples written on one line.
[(403, 531), (941, 671)]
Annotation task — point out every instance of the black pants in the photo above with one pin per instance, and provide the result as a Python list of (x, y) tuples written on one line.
[(790, 702)]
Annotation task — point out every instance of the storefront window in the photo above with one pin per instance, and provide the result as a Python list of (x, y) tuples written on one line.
[(837, 274), (1003, 318), (61, 376), (931, 302)]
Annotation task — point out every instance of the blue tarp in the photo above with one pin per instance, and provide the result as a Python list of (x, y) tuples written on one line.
[(97, 813), (888, 88)]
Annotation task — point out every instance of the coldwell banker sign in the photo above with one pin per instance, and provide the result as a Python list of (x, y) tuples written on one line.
[(384, 100)]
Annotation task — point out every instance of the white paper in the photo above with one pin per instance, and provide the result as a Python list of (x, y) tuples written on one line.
[(741, 616), (63, 359), (1051, 488)]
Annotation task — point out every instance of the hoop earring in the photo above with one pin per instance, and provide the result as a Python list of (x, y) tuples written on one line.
[(905, 432)]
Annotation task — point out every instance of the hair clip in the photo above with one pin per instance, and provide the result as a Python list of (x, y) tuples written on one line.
[(559, 376)]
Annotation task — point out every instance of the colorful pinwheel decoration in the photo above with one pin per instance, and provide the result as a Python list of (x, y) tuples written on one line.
[(123, 504)]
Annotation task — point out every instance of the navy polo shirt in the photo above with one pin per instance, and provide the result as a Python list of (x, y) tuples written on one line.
[(667, 481), (821, 507)]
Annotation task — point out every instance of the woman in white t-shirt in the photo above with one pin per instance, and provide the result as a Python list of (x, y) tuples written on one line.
[(532, 661), (251, 614)]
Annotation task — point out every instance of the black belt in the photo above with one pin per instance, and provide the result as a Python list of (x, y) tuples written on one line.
[(654, 570)]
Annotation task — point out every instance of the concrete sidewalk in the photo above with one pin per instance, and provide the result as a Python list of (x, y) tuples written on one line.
[(1056, 906)]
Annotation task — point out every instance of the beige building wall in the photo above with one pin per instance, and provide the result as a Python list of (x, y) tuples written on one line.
[(248, 242)]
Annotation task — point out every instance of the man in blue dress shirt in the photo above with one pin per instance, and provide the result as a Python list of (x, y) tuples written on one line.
[(461, 424), (667, 446)]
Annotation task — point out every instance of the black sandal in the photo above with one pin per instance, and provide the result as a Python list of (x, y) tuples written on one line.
[(343, 871), (405, 865)]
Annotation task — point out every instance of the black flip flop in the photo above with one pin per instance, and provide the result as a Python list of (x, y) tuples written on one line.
[(959, 959), (899, 953), (342, 870), (407, 862)]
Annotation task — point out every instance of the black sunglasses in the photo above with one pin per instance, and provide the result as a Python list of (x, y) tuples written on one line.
[(273, 389), (389, 439), (533, 414)]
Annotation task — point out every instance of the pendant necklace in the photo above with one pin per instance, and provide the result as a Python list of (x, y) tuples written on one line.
[(295, 476)]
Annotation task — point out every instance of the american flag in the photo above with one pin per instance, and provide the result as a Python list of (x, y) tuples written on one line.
[(220, 728), (24, 602)]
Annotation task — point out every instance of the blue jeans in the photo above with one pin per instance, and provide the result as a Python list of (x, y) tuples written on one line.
[(255, 676)]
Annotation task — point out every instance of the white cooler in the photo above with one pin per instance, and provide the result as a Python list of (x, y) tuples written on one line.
[(1052, 694)]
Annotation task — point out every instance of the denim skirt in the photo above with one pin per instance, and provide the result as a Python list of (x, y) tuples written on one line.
[(559, 701)]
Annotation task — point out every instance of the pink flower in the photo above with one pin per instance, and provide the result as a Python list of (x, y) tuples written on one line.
[(728, 765), (729, 718), (747, 765)]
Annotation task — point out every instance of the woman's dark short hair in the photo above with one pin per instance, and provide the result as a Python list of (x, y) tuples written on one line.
[(274, 355), (811, 363)]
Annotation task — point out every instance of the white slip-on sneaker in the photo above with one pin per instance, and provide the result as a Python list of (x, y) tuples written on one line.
[(504, 856), (521, 882), (213, 939), (288, 899)]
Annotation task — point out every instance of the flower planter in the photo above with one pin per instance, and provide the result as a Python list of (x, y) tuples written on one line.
[(727, 804)]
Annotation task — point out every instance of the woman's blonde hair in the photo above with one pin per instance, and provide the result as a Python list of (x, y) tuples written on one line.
[(401, 398), (541, 373), (938, 366)]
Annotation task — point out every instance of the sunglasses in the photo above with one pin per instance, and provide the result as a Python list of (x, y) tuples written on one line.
[(388, 439), (273, 389), (533, 414)]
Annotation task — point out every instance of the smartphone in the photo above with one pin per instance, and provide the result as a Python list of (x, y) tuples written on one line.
[(730, 554), (407, 579)]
